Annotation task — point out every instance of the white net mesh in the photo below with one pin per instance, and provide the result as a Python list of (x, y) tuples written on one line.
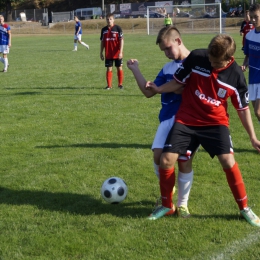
[(199, 18)]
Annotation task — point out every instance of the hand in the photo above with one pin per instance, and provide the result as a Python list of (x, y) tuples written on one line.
[(256, 144), (151, 86), (101, 56), (243, 67), (132, 64), (120, 55)]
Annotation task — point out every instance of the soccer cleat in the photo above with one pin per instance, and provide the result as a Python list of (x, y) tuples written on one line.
[(183, 212), (87, 47), (120, 86), (250, 217), (74, 50), (161, 211), (108, 88), (4, 71)]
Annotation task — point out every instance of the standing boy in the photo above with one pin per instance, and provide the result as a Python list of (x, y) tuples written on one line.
[(252, 59), (5, 42), (78, 34), (246, 28), (112, 41), (209, 77), (170, 42), (167, 20)]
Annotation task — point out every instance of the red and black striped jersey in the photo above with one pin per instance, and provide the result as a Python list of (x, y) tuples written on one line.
[(111, 37), (206, 90)]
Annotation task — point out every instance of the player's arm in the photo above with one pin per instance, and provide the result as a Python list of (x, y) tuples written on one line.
[(245, 63), (171, 86), (10, 38), (120, 55), (246, 120), (101, 50), (140, 80)]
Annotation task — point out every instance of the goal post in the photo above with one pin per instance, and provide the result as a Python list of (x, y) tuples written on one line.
[(189, 18)]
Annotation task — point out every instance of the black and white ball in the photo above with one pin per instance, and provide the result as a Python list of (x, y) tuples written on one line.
[(114, 190)]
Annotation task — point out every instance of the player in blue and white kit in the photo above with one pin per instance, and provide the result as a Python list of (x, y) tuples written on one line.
[(78, 35), (5, 42), (252, 59), (170, 42)]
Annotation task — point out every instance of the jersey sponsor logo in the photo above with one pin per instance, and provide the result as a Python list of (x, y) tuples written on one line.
[(202, 69), (254, 47), (222, 92), (110, 39), (210, 100)]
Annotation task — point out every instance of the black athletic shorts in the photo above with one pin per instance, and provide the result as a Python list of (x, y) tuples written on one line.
[(184, 140), (109, 62)]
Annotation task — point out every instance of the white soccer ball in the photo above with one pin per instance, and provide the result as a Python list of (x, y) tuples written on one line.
[(114, 190)]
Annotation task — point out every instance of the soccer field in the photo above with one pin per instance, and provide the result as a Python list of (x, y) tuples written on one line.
[(62, 135)]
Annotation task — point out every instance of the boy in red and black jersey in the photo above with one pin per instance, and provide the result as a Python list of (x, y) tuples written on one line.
[(246, 27), (208, 78), (112, 41)]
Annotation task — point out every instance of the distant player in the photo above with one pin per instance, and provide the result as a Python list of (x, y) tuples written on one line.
[(246, 28), (5, 42), (78, 35), (252, 59), (112, 41)]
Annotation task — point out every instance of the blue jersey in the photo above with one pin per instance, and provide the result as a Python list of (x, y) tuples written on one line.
[(4, 35), (77, 25), (252, 49), (170, 101)]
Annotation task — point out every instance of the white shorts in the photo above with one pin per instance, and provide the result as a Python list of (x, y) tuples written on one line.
[(4, 49), (254, 91), (162, 133), (77, 37)]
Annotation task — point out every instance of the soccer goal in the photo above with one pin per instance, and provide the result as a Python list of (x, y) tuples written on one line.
[(190, 18)]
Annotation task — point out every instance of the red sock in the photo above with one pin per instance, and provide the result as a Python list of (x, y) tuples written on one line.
[(237, 186), (109, 77), (167, 182), (120, 76)]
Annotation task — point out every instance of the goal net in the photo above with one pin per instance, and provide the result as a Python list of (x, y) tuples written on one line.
[(188, 18)]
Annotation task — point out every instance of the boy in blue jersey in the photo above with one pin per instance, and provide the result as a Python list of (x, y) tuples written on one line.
[(5, 42), (252, 59), (170, 42), (78, 35)]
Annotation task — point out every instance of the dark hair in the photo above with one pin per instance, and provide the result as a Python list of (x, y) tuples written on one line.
[(222, 47), (254, 7), (109, 15), (167, 32)]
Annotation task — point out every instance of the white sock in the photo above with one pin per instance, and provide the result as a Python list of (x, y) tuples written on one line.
[(184, 186), (75, 46), (2, 59), (156, 170), (84, 44), (5, 63)]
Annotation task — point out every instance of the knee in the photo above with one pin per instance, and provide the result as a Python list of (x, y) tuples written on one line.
[(167, 161)]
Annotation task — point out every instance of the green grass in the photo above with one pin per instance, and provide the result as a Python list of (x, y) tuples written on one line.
[(62, 135)]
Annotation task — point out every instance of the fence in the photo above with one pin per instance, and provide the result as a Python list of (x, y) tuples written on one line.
[(33, 15)]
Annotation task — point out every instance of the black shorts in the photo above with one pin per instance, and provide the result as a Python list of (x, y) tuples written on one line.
[(109, 62), (184, 140)]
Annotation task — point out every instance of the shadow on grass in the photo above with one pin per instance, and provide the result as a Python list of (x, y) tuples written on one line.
[(79, 204), (102, 145)]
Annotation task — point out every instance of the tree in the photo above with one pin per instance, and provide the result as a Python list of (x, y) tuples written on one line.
[(7, 5)]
